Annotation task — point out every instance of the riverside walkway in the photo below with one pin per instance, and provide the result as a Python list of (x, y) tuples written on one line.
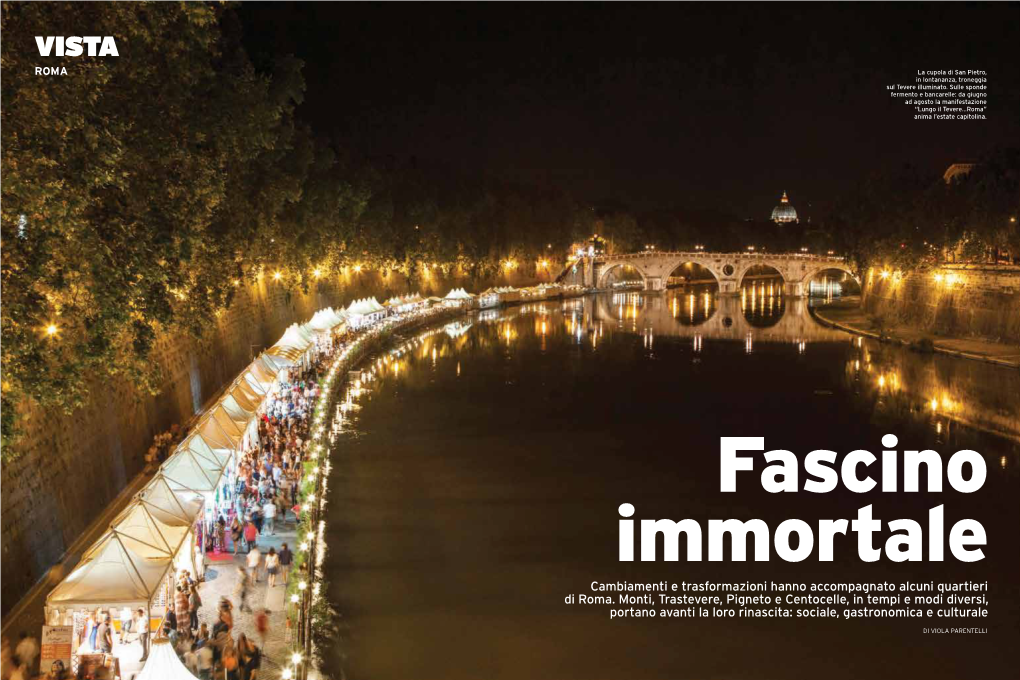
[(221, 577)]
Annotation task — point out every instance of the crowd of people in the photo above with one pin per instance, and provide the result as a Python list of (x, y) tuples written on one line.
[(163, 445), (269, 475)]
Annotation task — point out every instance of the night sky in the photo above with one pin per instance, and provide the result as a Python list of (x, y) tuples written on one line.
[(680, 106)]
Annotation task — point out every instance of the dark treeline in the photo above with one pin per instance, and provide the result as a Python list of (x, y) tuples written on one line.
[(908, 219), (139, 192)]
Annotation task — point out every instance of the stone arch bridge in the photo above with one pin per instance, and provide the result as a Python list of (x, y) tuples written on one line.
[(797, 269)]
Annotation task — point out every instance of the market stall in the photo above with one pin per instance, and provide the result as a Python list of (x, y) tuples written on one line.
[(458, 297)]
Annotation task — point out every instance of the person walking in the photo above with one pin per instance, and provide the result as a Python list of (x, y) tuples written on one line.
[(252, 657), (104, 636), (294, 482), (142, 629), (235, 533), (194, 602), (221, 534), (262, 625), (182, 608), (286, 559), (272, 567), (241, 589), (269, 513), (254, 559), (257, 518), (230, 663), (251, 534), (205, 662), (91, 628), (27, 651)]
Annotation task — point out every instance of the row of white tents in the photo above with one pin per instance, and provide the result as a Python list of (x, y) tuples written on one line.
[(154, 536)]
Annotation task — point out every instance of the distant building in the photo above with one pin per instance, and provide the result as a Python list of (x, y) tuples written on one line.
[(957, 170), (784, 212)]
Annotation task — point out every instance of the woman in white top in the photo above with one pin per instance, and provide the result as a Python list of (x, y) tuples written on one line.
[(272, 566)]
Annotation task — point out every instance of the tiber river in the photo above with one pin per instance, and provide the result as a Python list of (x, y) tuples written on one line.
[(478, 477)]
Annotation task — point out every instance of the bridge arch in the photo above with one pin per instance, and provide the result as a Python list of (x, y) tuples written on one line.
[(764, 263), (672, 265), (838, 266), (604, 273)]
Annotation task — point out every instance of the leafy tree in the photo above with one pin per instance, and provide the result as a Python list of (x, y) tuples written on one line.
[(133, 187)]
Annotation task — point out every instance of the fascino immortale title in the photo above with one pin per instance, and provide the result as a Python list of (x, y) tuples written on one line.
[(794, 539)]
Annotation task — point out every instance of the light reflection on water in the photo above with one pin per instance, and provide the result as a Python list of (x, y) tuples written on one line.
[(440, 444), (939, 389)]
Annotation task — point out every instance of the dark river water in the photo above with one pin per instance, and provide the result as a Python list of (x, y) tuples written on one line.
[(477, 480)]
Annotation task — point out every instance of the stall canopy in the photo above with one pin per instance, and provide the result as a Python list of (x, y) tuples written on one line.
[(364, 307), (233, 422), (211, 430), (142, 532), (260, 375), (240, 403), (171, 505), (293, 345), (188, 470), (246, 394), (163, 663), (111, 573), (325, 320), (218, 455), (278, 362), (459, 294)]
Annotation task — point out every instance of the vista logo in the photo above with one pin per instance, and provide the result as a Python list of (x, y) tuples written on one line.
[(97, 46)]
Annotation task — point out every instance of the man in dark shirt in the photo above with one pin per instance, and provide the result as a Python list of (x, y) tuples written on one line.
[(286, 558), (104, 636)]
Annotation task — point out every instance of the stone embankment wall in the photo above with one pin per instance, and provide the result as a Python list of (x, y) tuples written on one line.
[(71, 467), (965, 301)]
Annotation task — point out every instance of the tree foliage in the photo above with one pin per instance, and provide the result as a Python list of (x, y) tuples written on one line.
[(907, 219), (134, 187)]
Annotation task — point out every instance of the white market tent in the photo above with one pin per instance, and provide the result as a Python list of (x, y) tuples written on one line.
[(110, 573), (168, 504), (211, 430), (295, 342), (366, 309), (405, 303), (144, 533), (260, 376), (163, 664), (459, 294), (325, 320), (186, 470), (277, 363)]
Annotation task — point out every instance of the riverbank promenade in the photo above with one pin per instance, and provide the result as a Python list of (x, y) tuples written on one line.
[(854, 319), (221, 579)]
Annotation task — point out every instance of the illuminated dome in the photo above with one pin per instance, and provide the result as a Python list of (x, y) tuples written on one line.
[(784, 212)]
